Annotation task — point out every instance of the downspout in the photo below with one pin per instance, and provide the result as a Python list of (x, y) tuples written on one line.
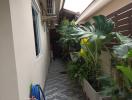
[(91, 9)]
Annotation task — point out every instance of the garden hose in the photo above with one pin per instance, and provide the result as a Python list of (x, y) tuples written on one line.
[(36, 92)]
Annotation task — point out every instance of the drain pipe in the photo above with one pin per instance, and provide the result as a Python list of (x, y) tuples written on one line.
[(91, 9)]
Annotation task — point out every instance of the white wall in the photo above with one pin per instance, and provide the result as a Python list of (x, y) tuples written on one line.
[(30, 69), (8, 76)]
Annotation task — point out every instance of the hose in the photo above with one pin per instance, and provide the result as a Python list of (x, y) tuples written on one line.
[(36, 90)]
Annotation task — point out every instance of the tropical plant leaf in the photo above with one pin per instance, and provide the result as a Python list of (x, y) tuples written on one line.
[(103, 25), (127, 72)]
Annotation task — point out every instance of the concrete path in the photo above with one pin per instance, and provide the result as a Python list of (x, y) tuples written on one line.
[(59, 86)]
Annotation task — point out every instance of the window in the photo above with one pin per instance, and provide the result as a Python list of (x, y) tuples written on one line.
[(36, 30)]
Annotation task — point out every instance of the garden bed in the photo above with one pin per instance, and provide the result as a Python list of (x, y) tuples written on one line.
[(91, 92)]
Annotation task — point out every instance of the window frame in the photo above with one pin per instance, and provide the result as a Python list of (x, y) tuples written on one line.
[(36, 27)]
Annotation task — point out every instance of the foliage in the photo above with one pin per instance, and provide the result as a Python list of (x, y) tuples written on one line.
[(123, 52), (85, 42), (127, 73), (125, 45), (129, 54), (127, 78), (108, 86), (92, 45), (89, 53), (91, 38), (77, 71), (70, 36), (101, 26)]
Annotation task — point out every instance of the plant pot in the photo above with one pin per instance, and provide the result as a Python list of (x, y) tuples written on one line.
[(91, 92)]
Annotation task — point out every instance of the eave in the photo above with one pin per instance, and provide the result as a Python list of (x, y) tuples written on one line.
[(95, 6)]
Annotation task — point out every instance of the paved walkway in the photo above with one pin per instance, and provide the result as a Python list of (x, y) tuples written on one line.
[(59, 86)]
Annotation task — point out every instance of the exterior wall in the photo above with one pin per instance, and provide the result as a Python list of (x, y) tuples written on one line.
[(30, 69), (8, 76), (113, 6)]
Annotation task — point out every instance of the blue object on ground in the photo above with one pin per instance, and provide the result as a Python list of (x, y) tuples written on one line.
[(36, 92)]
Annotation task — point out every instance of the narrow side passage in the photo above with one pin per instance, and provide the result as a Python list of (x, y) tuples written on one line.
[(59, 86)]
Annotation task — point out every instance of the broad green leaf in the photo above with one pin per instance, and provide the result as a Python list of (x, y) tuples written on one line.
[(127, 72)]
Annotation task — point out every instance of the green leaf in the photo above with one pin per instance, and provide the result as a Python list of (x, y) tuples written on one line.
[(127, 72), (129, 54)]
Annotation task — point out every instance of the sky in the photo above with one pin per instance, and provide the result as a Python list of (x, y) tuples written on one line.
[(77, 5)]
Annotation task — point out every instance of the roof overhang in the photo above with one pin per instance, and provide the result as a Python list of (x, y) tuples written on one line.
[(91, 9)]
